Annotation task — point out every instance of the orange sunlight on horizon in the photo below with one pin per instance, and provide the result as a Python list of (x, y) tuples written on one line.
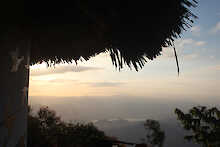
[(97, 77)]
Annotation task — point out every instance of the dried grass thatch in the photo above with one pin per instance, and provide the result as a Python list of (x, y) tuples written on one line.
[(63, 31)]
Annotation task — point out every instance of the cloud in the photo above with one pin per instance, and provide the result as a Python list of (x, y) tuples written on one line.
[(182, 42), (62, 69), (61, 80), (181, 45), (215, 68), (191, 56), (104, 84), (53, 80), (196, 30), (200, 43), (216, 28)]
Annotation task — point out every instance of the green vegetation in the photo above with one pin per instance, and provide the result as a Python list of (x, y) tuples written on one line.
[(155, 136), (204, 125), (46, 129)]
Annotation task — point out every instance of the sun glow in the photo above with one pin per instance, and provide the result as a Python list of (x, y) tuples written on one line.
[(38, 66)]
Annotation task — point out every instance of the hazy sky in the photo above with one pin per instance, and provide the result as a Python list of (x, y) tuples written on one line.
[(199, 58)]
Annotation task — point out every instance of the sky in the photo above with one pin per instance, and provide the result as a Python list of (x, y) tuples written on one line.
[(199, 58)]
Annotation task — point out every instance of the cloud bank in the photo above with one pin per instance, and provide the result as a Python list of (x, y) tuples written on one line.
[(216, 28), (62, 69), (104, 84), (196, 30), (182, 45)]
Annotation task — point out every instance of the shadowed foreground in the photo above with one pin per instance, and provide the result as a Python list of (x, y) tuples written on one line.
[(45, 129)]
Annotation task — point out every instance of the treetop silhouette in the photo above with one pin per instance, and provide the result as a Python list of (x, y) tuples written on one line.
[(203, 124)]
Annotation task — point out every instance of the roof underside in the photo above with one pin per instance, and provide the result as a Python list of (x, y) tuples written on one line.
[(72, 29)]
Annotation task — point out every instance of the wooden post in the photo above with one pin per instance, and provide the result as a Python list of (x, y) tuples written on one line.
[(14, 80)]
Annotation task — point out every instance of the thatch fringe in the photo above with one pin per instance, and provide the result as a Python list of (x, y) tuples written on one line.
[(68, 31)]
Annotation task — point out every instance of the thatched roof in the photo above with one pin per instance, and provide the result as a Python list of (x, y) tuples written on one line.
[(67, 30)]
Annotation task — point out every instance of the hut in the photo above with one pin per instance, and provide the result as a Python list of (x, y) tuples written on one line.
[(57, 31)]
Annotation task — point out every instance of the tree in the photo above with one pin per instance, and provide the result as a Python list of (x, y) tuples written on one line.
[(155, 136), (73, 30), (35, 135), (203, 123), (47, 129)]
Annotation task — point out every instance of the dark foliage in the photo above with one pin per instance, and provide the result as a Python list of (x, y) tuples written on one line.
[(204, 123), (155, 136), (46, 130), (63, 31)]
